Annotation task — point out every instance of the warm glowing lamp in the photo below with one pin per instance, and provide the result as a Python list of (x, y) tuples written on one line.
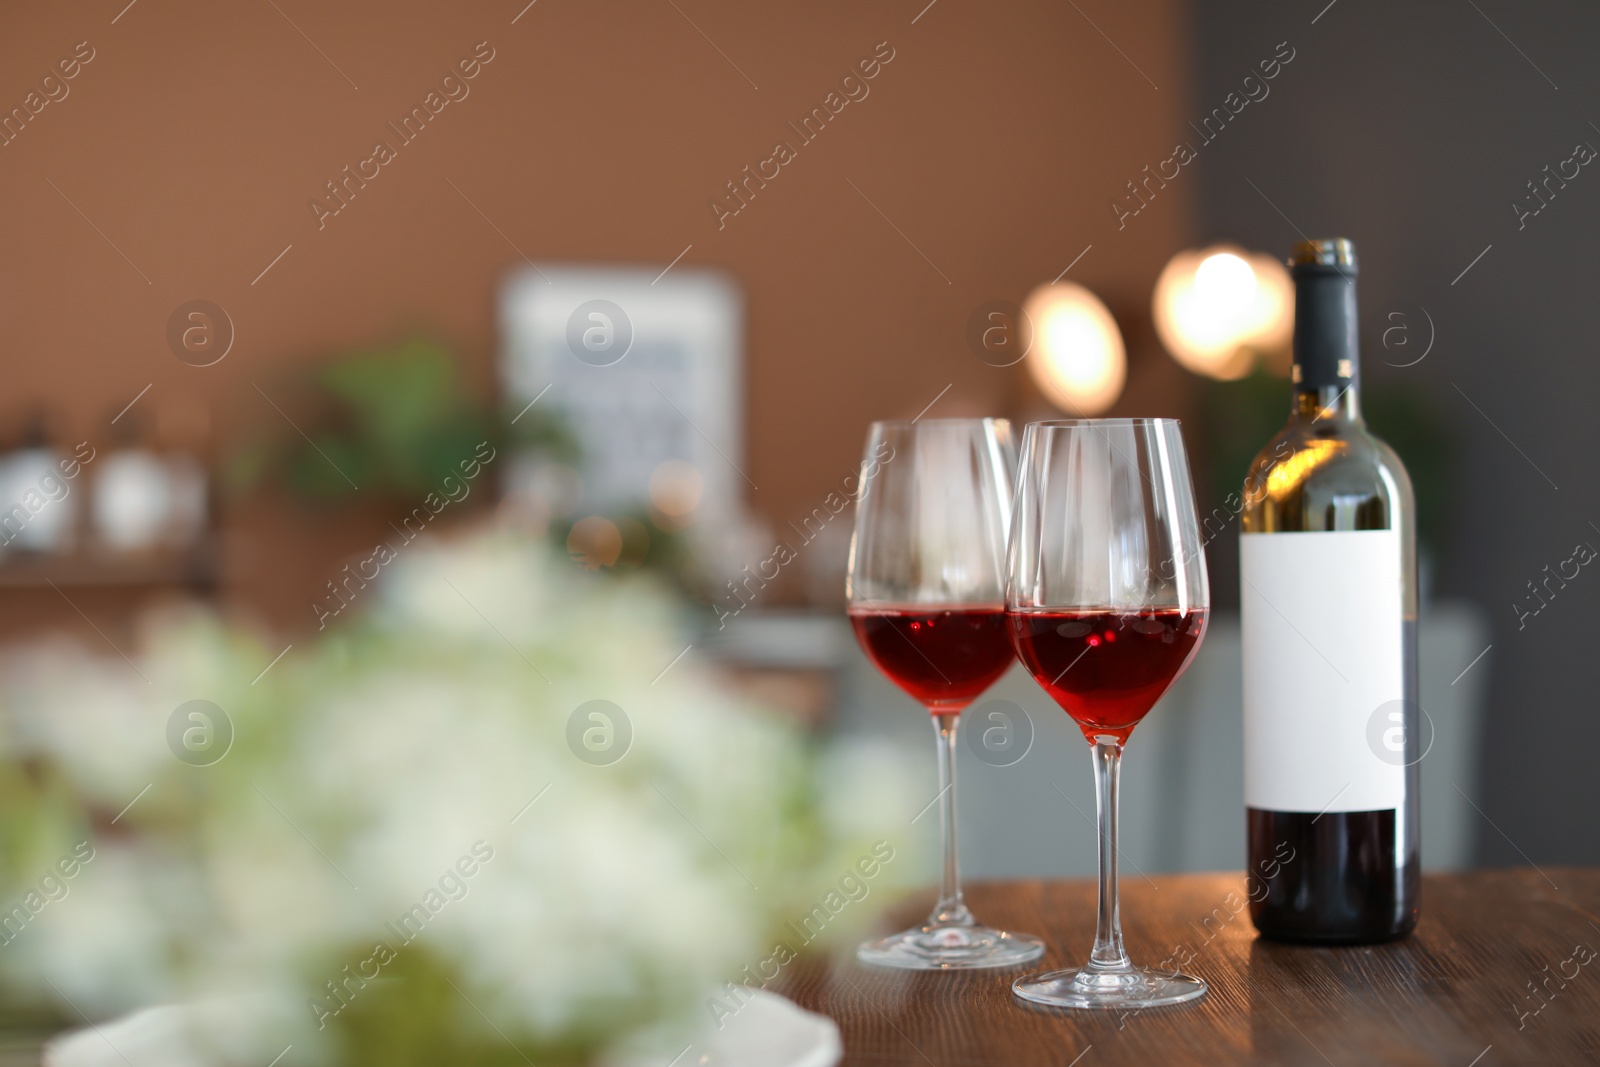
[(1077, 359), (1218, 309)]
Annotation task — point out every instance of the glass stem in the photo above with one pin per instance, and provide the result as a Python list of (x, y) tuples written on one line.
[(951, 910), (1108, 954)]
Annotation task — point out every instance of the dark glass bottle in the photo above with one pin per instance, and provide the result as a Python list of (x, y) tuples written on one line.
[(1329, 601)]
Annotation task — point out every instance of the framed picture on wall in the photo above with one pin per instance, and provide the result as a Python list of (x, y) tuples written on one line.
[(646, 370)]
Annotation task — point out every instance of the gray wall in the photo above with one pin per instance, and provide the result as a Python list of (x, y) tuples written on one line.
[(1412, 129)]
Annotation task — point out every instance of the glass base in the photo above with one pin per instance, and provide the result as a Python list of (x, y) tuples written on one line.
[(1086, 988), (950, 948)]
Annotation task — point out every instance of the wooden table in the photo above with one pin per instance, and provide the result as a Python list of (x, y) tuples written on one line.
[(1453, 993)]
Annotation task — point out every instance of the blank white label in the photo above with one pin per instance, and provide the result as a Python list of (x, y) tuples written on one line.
[(1323, 651)]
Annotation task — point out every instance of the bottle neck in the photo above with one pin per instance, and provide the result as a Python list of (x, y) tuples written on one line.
[(1326, 404), (1327, 358)]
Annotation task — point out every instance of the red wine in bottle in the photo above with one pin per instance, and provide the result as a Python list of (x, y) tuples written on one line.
[(943, 657), (1329, 605), (1106, 669)]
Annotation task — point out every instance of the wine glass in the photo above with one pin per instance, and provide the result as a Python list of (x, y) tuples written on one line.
[(926, 593), (1106, 602)]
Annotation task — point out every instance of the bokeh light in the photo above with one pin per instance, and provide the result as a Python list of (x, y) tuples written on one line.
[(594, 542), (1219, 309), (1078, 360), (675, 488)]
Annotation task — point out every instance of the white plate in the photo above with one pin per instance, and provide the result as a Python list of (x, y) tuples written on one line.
[(771, 1031), (768, 1031)]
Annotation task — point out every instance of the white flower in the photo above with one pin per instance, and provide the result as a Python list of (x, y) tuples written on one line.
[(412, 783)]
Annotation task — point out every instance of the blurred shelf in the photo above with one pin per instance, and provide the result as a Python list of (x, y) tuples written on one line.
[(194, 570), (786, 639), (785, 659)]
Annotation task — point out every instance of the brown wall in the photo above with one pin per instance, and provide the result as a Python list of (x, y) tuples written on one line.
[(198, 133)]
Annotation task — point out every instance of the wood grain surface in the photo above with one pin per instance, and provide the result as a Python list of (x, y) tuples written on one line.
[(1501, 970)]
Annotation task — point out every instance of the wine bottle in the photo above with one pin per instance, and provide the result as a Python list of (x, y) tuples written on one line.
[(1329, 606)]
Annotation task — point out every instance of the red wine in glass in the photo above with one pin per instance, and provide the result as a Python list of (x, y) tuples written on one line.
[(1106, 669), (942, 657)]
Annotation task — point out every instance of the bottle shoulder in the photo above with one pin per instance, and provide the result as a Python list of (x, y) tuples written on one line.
[(1327, 476)]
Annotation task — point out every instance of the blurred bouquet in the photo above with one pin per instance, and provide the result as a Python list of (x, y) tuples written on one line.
[(499, 820)]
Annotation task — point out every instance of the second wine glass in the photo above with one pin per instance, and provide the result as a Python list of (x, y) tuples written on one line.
[(926, 592), (1107, 603)]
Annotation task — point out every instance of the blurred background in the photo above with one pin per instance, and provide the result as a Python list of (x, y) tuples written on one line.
[(275, 270)]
